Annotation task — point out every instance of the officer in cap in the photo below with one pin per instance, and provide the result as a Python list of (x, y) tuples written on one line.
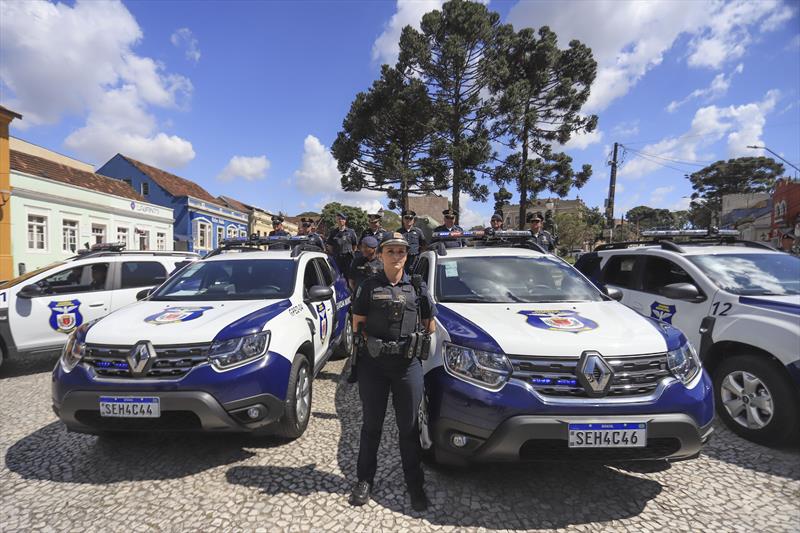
[(307, 228), (375, 229), (414, 236), (495, 224), (341, 244), (451, 226), (365, 264), (386, 311), (278, 231), (538, 235)]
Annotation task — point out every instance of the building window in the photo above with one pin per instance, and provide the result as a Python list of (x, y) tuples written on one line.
[(69, 235), (243, 233), (144, 239), (37, 232), (122, 236), (220, 234), (145, 188), (161, 241), (203, 236), (128, 181), (231, 232), (98, 233)]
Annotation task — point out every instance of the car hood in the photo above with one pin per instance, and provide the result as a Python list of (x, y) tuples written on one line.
[(552, 329), (167, 323)]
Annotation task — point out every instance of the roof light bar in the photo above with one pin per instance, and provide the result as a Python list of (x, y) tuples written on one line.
[(713, 232), (263, 241), (480, 235)]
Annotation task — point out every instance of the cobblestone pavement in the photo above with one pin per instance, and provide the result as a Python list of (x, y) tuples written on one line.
[(52, 480)]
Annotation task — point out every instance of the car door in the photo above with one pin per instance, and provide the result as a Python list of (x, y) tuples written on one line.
[(622, 271), (133, 275), (70, 296), (320, 314)]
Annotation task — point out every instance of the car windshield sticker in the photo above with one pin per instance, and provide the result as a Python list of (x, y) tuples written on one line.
[(170, 315), (559, 320), (451, 269), (663, 312), (65, 315), (323, 322)]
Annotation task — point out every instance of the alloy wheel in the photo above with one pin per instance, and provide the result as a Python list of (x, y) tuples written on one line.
[(302, 395), (747, 399)]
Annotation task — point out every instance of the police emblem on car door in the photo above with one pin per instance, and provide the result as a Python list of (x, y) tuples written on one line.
[(65, 315), (322, 314)]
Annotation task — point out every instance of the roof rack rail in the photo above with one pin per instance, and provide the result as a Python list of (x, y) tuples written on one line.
[(711, 232), (483, 238), (672, 246), (103, 247)]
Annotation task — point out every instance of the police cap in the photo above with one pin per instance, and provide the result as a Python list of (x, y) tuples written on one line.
[(408, 213), (449, 213), (533, 216), (497, 216), (277, 219), (374, 216), (341, 215), (395, 239), (370, 242)]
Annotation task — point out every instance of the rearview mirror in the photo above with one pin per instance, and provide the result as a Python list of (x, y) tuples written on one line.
[(613, 293), (320, 293), (144, 293), (680, 291), (30, 291)]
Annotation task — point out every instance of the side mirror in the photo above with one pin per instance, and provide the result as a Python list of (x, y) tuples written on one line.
[(613, 293), (144, 293), (30, 291), (680, 291), (320, 293)]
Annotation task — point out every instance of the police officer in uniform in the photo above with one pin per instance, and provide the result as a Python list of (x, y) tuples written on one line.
[(366, 264), (375, 229), (414, 236), (495, 224), (451, 226), (278, 231), (341, 244), (306, 229), (539, 235), (385, 316)]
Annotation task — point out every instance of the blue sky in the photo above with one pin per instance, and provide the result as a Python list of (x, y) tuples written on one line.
[(246, 97)]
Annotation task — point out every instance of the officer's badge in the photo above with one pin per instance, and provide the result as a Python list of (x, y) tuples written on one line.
[(323, 322), (559, 320), (170, 315), (662, 312), (65, 315)]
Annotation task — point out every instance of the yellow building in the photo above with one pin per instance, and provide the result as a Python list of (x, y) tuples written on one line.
[(6, 261)]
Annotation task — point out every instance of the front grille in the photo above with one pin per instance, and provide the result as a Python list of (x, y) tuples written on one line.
[(168, 421), (170, 361), (556, 449), (555, 376)]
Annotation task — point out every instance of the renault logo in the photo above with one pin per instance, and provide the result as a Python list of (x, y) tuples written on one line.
[(140, 357), (594, 374)]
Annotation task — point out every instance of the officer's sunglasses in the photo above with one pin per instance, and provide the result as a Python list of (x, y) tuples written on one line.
[(450, 218), (306, 224), (408, 217)]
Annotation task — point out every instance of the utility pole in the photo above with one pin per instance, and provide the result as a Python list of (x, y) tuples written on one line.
[(611, 187)]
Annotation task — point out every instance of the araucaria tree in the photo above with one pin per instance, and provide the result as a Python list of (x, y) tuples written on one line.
[(448, 54), (538, 91), (386, 138)]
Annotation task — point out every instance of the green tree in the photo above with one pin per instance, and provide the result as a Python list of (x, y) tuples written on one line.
[(742, 175), (449, 54), (502, 198), (626, 232), (386, 138), (538, 90), (577, 230), (647, 218), (356, 217), (699, 215)]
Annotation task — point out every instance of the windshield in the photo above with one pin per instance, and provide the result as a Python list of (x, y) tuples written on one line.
[(772, 274), (246, 279), (28, 275), (511, 279)]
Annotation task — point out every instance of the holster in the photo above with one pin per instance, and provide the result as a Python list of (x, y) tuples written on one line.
[(374, 346), (419, 345)]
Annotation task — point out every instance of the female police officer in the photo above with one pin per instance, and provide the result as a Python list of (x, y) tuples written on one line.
[(385, 316)]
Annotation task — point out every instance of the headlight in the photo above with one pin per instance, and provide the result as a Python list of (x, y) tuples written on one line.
[(683, 363), (486, 369), (75, 347), (236, 352)]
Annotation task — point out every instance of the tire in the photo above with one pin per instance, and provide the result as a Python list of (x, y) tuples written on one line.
[(345, 347), (297, 408), (767, 408), (2, 354)]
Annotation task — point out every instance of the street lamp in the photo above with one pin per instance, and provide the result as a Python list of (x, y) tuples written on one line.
[(776, 155)]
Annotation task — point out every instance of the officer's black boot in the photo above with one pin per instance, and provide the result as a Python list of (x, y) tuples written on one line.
[(360, 493), (419, 500)]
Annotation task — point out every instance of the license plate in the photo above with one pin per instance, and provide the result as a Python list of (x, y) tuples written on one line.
[(130, 407), (622, 435)]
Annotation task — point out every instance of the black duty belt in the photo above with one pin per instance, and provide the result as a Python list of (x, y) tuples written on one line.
[(378, 347)]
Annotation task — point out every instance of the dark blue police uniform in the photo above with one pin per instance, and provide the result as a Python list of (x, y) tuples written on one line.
[(342, 242), (316, 240), (391, 314), (280, 245), (416, 242), (457, 243), (379, 234)]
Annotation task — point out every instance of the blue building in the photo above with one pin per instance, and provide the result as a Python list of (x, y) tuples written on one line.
[(201, 221)]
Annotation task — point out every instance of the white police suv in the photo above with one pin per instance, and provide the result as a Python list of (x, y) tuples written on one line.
[(38, 310), (229, 343), (737, 301), (531, 361)]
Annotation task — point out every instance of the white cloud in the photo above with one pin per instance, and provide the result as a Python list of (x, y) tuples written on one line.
[(719, 87), (681, 204), (472, 213), (59, 60), (580, 141), (386, 48), (247, 168), (634, 36), (626, 129), (184, 38), (658, 194), (739, 125)]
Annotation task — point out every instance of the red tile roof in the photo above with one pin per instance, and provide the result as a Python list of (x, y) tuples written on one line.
[(175, 185), (38, 166), (235, 204)]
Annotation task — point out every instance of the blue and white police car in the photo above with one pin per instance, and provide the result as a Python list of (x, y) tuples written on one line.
[(737, 301), (39, 309), (531, 361), (229, 343)]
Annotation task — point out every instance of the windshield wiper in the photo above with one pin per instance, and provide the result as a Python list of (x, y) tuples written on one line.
[(515, 297)]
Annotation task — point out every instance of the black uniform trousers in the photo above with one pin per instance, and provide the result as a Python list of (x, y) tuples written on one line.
[(376, 378)]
